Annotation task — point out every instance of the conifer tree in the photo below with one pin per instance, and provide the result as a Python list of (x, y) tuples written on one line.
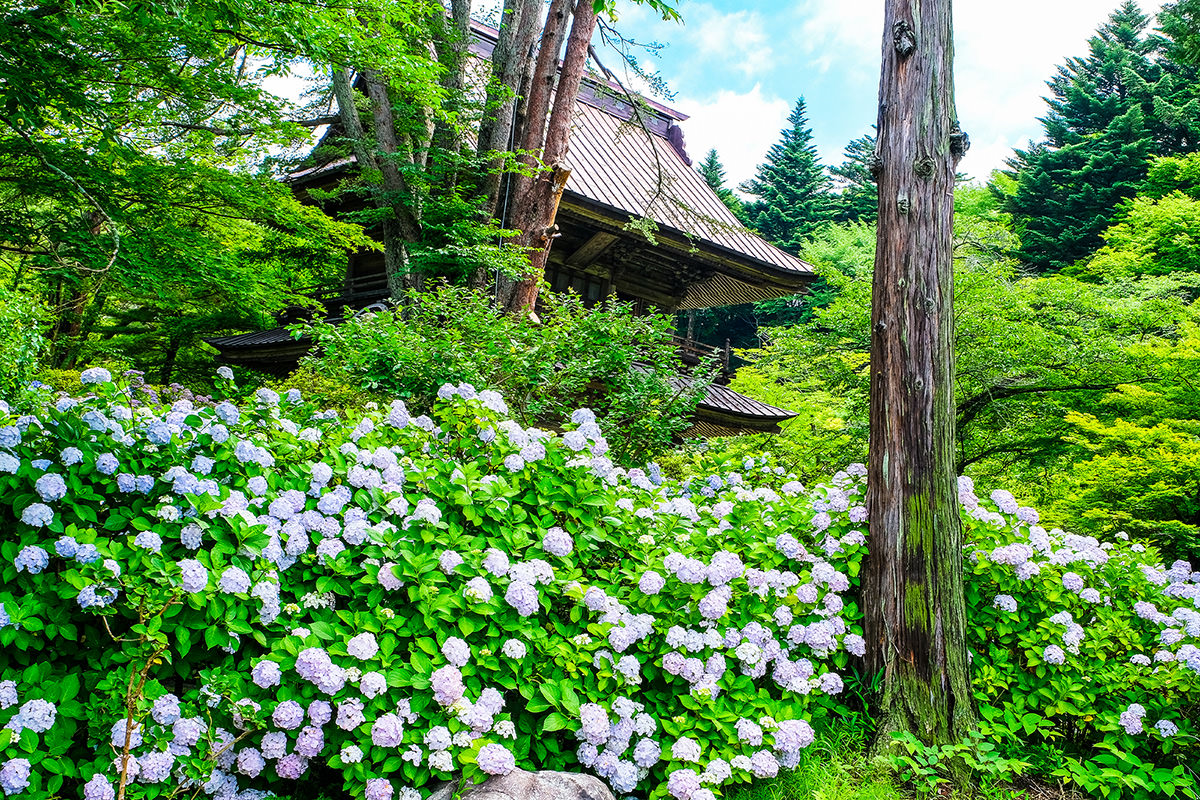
[(858, 197), (1109, 111), (792, 187), (714, 175)]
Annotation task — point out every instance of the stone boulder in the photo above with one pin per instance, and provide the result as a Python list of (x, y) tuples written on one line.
[(522, 785)]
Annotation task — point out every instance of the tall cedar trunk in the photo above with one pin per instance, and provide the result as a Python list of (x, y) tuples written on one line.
[(538, 80), (534, 209), (913, 581)]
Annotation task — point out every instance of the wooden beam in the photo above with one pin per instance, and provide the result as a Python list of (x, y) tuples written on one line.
[(591, 250)]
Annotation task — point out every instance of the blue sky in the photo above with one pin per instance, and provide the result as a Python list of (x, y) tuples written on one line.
[(737, 68)]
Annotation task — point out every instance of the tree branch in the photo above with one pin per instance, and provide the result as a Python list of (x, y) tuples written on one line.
[(971, 408), (248, 130)]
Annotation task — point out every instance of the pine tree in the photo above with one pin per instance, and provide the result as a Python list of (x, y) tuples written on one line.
[(1067, 196), (714, 175), (857, 195), (1109, 112), (792, 187)]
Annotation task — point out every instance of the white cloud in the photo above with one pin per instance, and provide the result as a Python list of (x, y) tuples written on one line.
[(841, 34), (739, 36), (740, 125)]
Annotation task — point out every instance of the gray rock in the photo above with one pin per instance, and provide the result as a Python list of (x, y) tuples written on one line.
[(522, 785)]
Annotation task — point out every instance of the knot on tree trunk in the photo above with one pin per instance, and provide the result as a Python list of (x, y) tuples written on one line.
[(960, 143), (875, 166), (904, 38)]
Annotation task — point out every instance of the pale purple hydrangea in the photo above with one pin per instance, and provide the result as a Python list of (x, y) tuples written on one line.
[(266, 674), (763, 764), (685, 749), (363, 646), (557, 542), (32, 559), (195, 576), (456, 651), (683, 783), (314, 665), (378, 789), (14, 775), (523, 597), (288, 715), (186, 731), (1072, 582), (496, 759), (99, 788), (310, 742), (155, 766), (651, 583), (250, 762), (95, 375), (478, 589), (447, 685), (234, 580), (349, 714), (37, 715), (1132, 719), (793, 735), (387, 731), (292, 766), (165, 709), (496, 562), (1166, 728), (449, 560), (37, 515)]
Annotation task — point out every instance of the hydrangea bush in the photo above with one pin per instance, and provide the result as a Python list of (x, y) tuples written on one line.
[(224, 598), (1086, 653), (227, 599)]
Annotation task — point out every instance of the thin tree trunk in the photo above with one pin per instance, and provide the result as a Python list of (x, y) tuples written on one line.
[(400, 226), (517, 33), (452, 51), (915, 613), (534, 210), (541, 87), (533, 109)]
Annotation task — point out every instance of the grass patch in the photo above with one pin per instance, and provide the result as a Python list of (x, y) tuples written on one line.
[(834, 767)]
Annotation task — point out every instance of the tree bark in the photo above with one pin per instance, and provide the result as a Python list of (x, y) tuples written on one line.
[(915, 612), (536, 203), (517, 33), (399, 226)]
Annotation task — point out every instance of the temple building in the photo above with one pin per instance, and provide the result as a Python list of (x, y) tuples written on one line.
[(630, 174)]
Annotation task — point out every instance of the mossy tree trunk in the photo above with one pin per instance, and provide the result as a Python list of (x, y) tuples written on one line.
[(913, 582)]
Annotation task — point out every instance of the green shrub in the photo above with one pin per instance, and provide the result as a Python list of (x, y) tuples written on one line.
[(328, 390), (21, 344), (624, 366)]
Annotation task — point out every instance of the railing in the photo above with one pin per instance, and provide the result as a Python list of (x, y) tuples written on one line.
[(692, 352)]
